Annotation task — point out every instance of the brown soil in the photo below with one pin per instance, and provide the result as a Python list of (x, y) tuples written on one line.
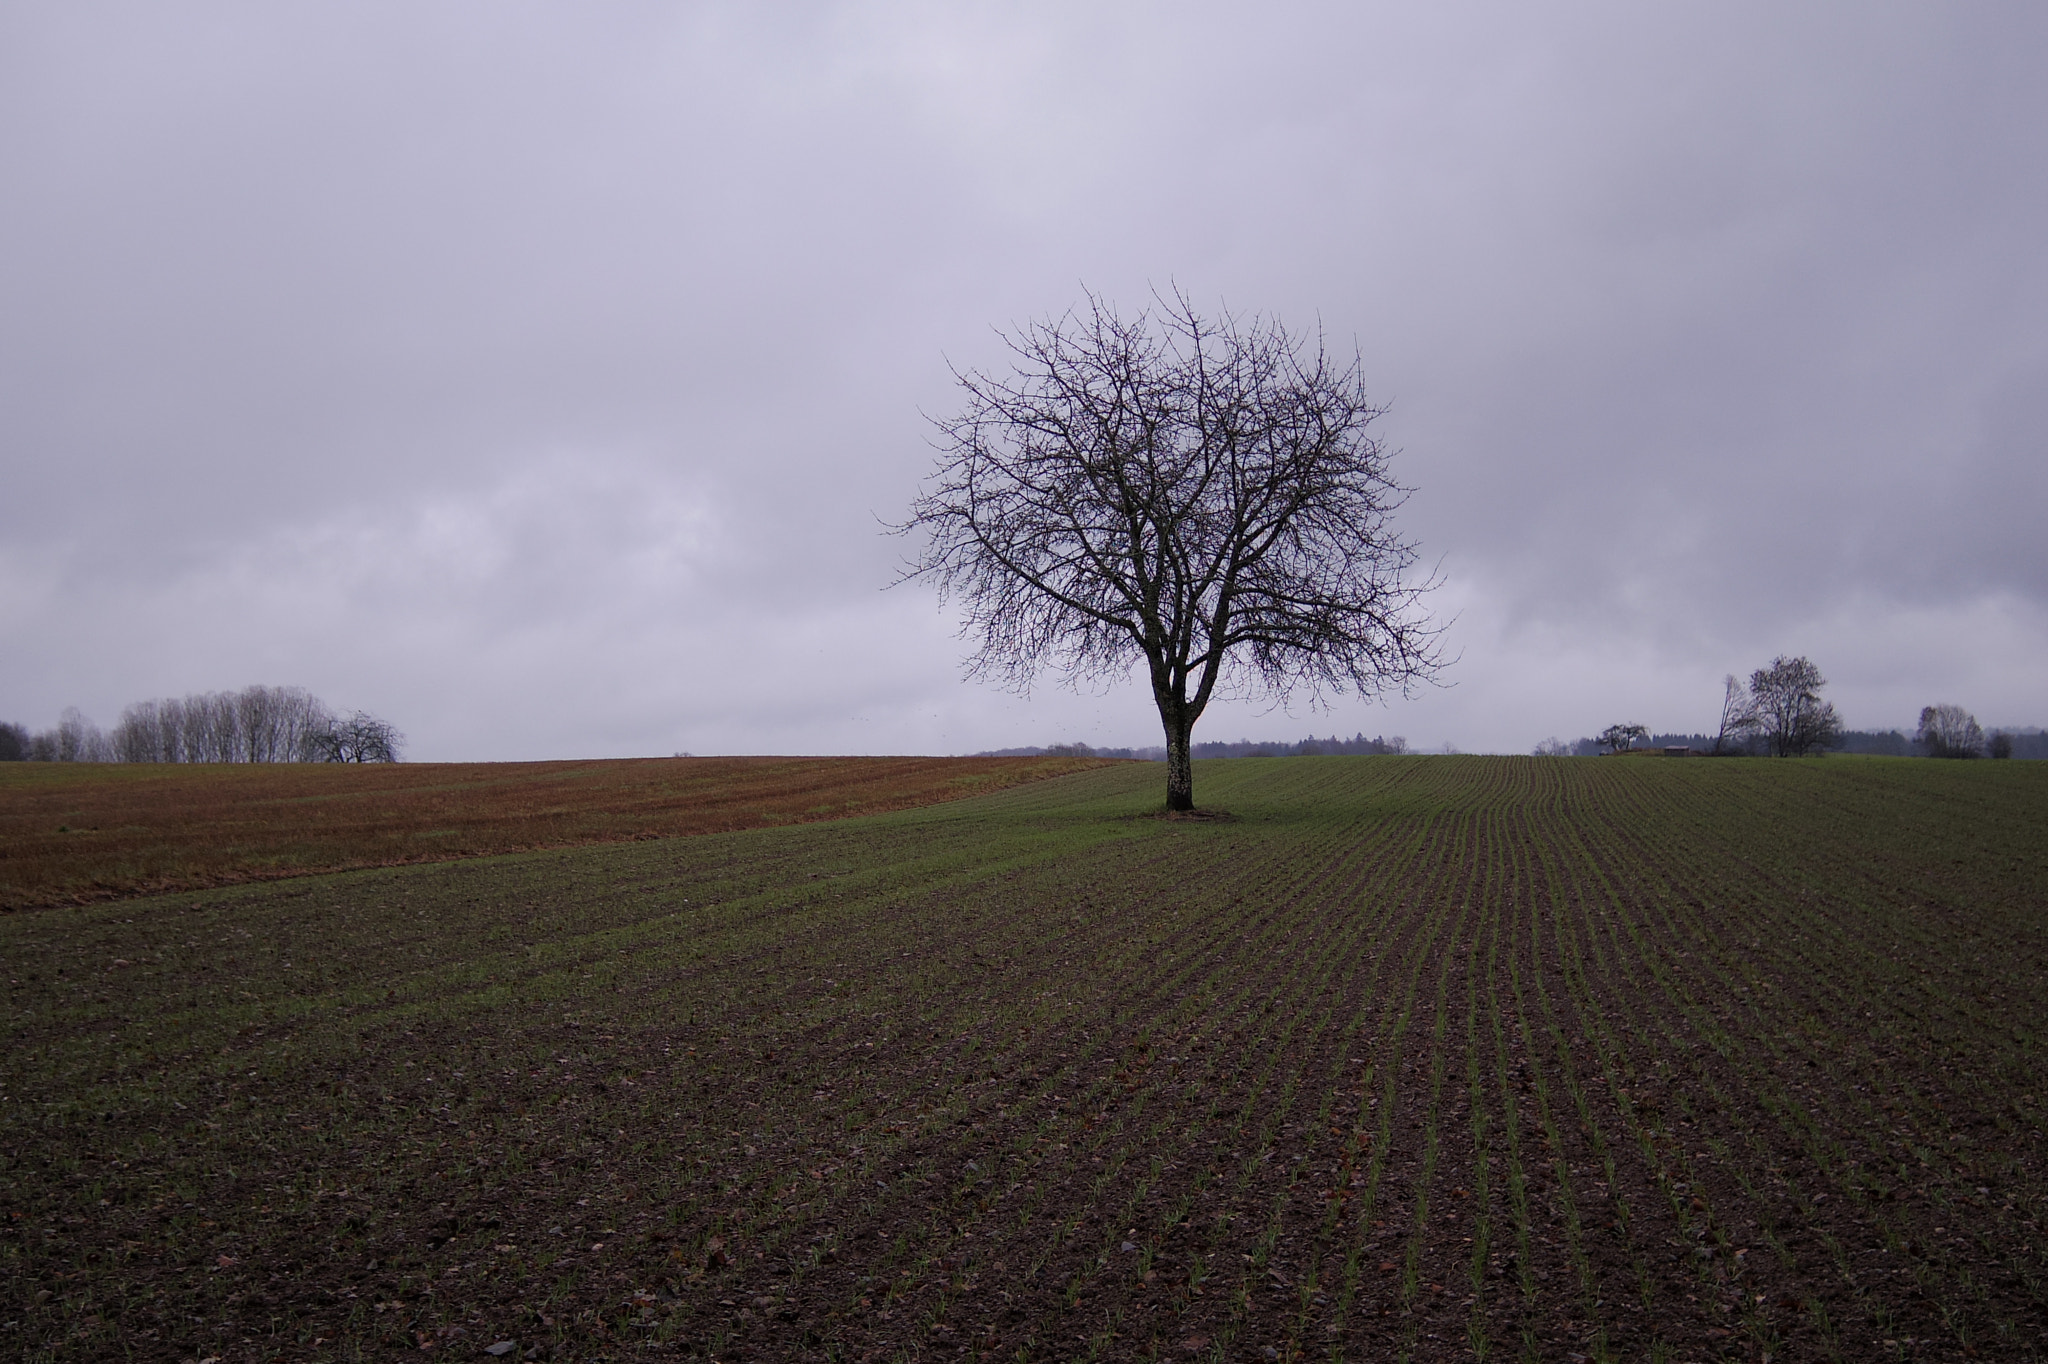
[(73, 833), (1481, 1059)]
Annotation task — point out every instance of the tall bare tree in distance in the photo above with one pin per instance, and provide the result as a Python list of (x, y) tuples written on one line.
[(1740, 718), (1200, 495)]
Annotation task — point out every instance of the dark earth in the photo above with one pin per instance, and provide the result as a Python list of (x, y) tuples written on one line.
[(1424, 1059)]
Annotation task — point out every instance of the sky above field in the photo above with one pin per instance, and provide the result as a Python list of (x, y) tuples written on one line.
[(540, 377)]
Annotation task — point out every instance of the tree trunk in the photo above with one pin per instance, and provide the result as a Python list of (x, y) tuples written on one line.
[(1180, 767)]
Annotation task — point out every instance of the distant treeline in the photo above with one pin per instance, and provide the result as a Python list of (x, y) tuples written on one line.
[(253, 725), (2029, 742), (1243, 748)]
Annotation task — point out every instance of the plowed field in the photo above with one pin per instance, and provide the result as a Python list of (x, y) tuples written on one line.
[(71, 833), (1414, 1058)]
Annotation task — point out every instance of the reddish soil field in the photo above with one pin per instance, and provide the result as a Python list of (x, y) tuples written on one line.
[(73, 833), (1424, 1059)]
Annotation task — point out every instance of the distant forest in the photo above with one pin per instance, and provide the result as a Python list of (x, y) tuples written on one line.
[(1242, 748), (2028, 742)]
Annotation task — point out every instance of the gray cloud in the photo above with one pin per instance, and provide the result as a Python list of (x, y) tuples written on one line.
[(536, 376)]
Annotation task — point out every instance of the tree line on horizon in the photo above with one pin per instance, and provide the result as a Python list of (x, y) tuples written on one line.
[(1241, 748), (1779, 713), (257, 724), (2027, 741)]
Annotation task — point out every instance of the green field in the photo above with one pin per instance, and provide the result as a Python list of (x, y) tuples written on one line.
[(1429, 1058)]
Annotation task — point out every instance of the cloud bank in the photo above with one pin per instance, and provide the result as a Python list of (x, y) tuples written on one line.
[(541, 379)]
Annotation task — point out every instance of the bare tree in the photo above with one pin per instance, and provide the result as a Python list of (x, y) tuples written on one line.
[(151, 732), (359, 738), (274, 722), (79, 740), (1739, 718), (171, 732), (258, 715), (221, 727), (139, 737), (1790, 715), (1553, 748), (1621, 738), (1950, 732), (1200, 496)]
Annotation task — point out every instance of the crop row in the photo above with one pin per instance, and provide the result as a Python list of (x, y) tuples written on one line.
[(1412, 1058)]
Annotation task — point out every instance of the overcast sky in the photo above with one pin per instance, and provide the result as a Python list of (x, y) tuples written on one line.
[(538, 376)]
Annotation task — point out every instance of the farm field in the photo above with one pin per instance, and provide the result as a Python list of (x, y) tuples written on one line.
[(71, 833), (1429, 1058)]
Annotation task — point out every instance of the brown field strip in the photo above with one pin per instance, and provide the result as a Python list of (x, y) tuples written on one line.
[(1421, 1059), (72, 833)]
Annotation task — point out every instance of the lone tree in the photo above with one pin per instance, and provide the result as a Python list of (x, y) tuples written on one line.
[(1739, 717), (1951, 732), (1788, 711), (1621, 738), (1200, 495), (359, 738)]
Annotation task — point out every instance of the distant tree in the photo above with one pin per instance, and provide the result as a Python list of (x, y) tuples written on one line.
[(170, 733), (360, 738), (1552, 748), (1790, 715), (139, 736), (1621, 738), (13, 743), (79, 740), (71, 741), (1739, 718), (220, 727), (2001, 744), (274, 722), (1951, 732), (1202, 497)]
